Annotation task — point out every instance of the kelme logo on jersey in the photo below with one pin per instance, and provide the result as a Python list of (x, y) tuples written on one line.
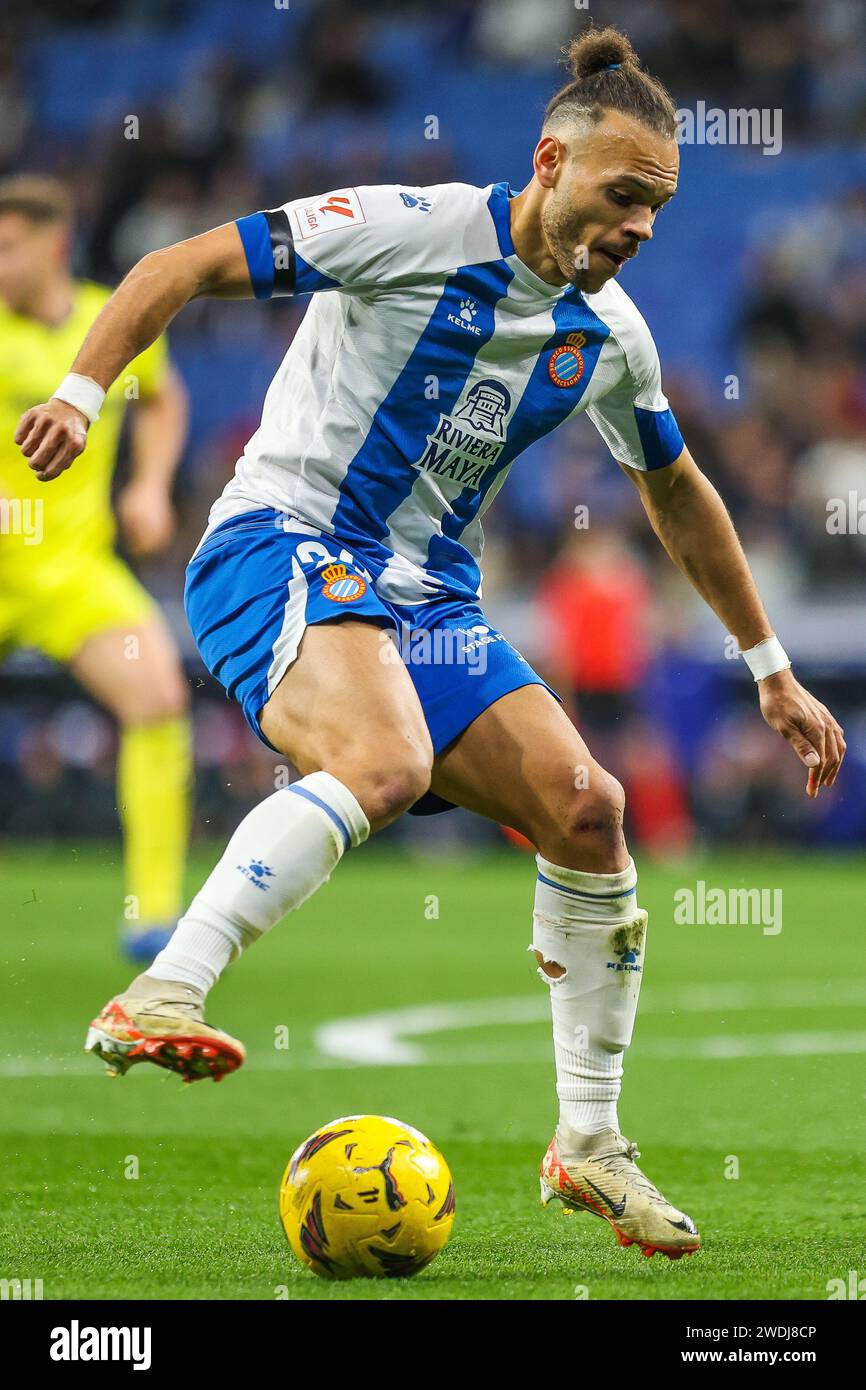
[(566, 361), (341, 586), (410, 201), (458, 448), (468, 310)]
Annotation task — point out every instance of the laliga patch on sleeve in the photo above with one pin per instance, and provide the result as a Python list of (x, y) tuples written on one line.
[(340, 209)]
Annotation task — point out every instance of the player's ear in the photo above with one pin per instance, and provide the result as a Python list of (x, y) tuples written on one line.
[(547, 159)]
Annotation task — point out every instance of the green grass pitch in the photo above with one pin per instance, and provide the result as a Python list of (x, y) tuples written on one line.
[(748, 1058)]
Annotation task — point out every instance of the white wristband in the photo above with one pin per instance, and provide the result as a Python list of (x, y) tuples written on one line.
[(766, 658), (82, 392)]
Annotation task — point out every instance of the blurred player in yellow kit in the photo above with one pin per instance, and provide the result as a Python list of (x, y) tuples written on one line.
[(63, 590)]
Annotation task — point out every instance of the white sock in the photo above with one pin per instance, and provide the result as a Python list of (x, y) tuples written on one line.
[(284, 850), (591, 925)]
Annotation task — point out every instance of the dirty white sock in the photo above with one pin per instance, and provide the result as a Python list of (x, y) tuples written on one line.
[(591, 925)]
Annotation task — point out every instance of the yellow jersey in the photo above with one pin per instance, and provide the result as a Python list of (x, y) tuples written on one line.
[(74, 516)]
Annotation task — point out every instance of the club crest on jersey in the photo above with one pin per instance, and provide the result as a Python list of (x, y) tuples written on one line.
[(463, 446), (566, 364), (341, 586)]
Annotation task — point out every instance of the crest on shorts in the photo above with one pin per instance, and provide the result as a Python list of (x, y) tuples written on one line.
[(341, 586)]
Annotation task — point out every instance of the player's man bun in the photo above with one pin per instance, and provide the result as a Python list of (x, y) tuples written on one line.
[(596, 50), (607, 75)]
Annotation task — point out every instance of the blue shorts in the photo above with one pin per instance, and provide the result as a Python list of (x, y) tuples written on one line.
[(254, 586)]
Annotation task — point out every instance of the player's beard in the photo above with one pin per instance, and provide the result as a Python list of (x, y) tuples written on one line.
[(563, 233)]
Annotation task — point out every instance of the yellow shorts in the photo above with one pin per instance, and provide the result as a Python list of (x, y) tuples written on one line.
[(57, 605)]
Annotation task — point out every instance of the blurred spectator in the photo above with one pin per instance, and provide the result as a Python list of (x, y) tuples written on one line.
[(595, 602), (510, 31), (338, 73)]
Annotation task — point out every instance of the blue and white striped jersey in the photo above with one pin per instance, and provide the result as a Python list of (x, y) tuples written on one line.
[(432, 358)]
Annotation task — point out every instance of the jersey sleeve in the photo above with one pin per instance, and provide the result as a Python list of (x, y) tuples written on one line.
[(634, 418), (355, 239), (150, 367)]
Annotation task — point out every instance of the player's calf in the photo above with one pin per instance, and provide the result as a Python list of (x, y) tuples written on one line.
[(279, 855), (589, 939), (335, 708)]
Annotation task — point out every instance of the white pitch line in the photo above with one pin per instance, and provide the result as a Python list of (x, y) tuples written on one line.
[(720, 1047), (382, 1038), (60, 1067)]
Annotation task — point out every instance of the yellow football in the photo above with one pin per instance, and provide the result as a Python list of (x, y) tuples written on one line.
[(366, 1196)]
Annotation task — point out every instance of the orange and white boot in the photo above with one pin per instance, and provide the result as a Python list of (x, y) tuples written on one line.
[(162, 1022), (597, 1173)]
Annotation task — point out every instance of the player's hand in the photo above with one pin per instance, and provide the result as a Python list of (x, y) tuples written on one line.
[(146, 517), (51, 437), (808, 726)]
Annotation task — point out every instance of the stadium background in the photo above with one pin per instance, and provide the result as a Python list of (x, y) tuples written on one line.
[(749, 1045), (755, 288)]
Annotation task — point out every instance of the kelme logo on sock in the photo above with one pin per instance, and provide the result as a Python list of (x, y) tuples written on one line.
[(627, 961), (256, 872)]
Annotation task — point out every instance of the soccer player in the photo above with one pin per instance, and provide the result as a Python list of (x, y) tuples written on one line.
[(62, 588), (452, 326)]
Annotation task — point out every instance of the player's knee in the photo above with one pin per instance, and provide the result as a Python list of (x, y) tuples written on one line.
[(174, 697), (387, 791), (594, 819), (155, 701)]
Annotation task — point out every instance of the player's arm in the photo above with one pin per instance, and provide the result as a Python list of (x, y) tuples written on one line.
[(158, 432), (141, 308), (692, 523)]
